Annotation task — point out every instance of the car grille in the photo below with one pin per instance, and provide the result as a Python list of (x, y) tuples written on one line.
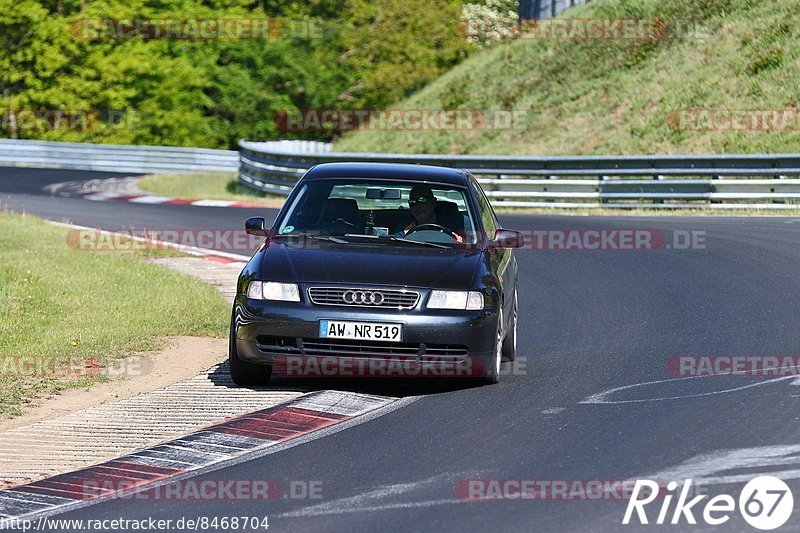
[(356, 297), (358, 348)]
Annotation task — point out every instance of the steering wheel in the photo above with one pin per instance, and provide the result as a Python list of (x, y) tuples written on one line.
[(431, 227)]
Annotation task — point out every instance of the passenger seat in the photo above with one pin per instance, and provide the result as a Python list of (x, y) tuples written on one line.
[(344, 208)]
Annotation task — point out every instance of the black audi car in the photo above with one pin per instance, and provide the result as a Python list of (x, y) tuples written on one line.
[(378, 269)]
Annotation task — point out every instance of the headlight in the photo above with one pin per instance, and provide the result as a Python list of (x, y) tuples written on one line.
[(471, 300), (270, 290)]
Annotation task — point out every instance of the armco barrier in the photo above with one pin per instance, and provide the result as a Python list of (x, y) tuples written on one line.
[(675, 181), (112, 157)]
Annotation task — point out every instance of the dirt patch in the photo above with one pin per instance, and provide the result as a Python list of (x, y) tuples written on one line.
[(182, 358)]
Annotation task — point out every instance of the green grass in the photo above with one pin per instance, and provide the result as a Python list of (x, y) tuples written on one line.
[(614, 96), (60, 305), (206, 185)]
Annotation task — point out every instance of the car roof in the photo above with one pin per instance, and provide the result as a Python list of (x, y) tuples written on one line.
[(400, 171)]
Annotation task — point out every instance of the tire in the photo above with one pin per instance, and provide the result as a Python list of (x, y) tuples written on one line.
[(492, 374), (244, 373), (510, 342)]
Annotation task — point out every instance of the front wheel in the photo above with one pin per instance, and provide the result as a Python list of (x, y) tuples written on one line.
[(510, 342), (492, 374), (244, 373)]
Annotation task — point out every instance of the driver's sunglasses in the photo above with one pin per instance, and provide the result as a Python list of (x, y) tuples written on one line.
[(421, 200)]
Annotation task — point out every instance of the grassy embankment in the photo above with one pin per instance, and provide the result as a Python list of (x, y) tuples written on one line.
[(621, 96), (63, 311)]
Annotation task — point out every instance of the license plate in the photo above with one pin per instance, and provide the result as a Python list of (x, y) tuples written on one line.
[(369, 331)]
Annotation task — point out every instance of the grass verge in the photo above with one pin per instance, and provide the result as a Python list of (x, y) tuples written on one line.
[(206, 185), (64, 310)]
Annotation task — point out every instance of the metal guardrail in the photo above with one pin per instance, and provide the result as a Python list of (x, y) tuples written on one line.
[(680, 181), (676, 181), (115, 158)]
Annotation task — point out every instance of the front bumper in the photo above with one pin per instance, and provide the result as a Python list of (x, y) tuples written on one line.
[(270, 333)]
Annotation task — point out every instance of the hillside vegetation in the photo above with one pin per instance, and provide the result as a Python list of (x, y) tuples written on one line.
[(78, 70), (623, 97)]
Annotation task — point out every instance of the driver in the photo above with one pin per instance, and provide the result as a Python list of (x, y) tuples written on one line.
[(423, 207)]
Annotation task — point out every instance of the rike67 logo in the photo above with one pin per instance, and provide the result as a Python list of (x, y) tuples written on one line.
[(765, 503)]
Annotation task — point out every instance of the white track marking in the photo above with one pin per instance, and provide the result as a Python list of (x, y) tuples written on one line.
[(602, 397), (151, 199), (371, 500), (102, 196), (341, 403), (213, 203), (384, 507), (711, 468)]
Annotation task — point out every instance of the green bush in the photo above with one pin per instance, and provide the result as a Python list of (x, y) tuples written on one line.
[(340, 54)]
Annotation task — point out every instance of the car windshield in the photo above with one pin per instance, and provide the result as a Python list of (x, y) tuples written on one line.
[(359, 210)]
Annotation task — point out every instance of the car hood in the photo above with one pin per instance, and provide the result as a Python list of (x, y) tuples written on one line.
[(380, 264)]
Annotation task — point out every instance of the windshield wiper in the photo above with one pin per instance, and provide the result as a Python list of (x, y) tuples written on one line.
[(392, 238), (372, 238), (315, 237), (423, 243)]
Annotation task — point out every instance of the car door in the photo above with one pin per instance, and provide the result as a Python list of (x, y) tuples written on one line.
[(502, 261)]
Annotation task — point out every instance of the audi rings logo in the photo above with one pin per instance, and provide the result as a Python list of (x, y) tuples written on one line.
[(363, 298)]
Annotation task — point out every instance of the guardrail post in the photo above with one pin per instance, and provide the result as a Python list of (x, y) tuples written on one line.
[(715, 177), (772, 190), (658, 200), (602, 200)]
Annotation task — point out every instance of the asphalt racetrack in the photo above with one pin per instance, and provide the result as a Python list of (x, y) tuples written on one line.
[(597, 393)]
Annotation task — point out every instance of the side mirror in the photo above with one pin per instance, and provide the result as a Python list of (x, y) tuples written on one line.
[(508, 238), (256, 226)]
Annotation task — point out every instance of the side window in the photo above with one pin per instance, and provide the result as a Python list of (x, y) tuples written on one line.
[(488, 219)]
